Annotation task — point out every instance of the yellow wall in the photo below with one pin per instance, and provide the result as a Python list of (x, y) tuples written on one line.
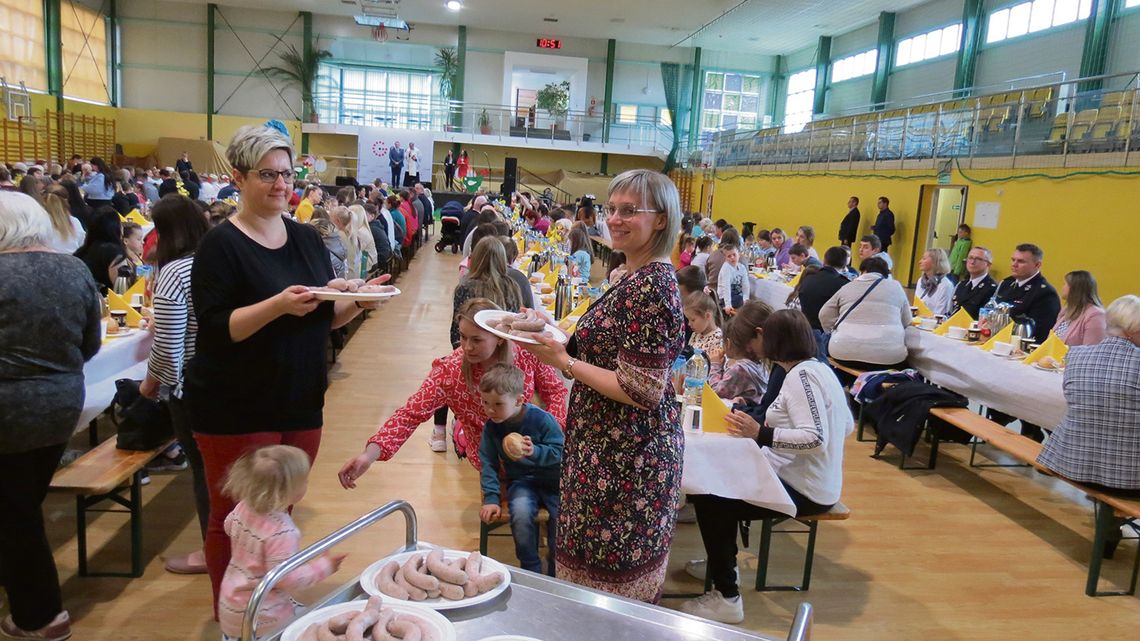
[(1082, 222), (547, 160)]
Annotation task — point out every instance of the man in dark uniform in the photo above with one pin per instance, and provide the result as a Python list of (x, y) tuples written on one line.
[(849, 228), (396, 162), (974, 292), (1028, 292), (1030, 296), (884, 226)]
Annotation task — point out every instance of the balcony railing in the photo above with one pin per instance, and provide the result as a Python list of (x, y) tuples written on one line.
[(502, 121), (1085, 122)]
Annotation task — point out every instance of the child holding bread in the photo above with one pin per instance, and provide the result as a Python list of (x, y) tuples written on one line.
[(527, 441)]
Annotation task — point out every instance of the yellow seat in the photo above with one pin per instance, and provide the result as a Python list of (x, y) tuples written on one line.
[(1058, 130), (1082, 124), (1102, 134), (1039, 102), (1111, 99)]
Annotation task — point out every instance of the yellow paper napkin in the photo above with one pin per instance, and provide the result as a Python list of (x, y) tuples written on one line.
[(138, 288), (1003, 336), (961, 318), (923, 310), (796, 279), (1053, 347), (545, 269), (135, 217), (117, 304), (713, 412), (552, 278)]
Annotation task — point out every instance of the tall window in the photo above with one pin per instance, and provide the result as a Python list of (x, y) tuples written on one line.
[(1128, 4), (854, 66), (375, 97), (627, 114), (1034, 16), (85, 69), (801, 99), (932, 44), (731, 101), (22, 43)]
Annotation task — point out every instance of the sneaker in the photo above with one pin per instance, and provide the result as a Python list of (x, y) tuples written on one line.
[(193, 563), (711, 605), (698, 567), (439, 438), (167, 463), (687, 514), (58, 630), (144, 477)]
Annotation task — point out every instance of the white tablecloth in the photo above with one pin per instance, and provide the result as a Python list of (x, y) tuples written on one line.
[(1009, 386), (118, 358), (735, 468), (773, 292)]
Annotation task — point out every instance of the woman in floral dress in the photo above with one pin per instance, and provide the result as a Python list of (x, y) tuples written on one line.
[(621, 466)]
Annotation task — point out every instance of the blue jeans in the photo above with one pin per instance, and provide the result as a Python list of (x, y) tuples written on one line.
[(524, 496)]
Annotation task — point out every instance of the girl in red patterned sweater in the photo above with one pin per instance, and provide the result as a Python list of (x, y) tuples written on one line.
[(454, 382)]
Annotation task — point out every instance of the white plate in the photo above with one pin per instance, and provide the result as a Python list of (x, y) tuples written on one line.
[(484, 318), (444, 629), (960, 340), (368, 580), (1055, 370), (360, 296), (122, 332), (923, 329)]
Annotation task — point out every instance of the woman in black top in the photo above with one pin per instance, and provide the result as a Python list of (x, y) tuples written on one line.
[(259, 374), (102, 250)]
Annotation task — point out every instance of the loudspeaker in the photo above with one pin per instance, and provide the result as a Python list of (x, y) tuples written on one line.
[(510, 176)]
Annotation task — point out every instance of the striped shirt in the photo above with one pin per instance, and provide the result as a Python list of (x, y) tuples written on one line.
[(175, 324)]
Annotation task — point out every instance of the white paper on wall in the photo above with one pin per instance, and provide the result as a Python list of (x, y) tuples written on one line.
[(986, 215), (372, 152)]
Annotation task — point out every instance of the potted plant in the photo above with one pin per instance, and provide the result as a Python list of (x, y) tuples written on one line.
[(294, 71), (447, 61), (554, 98), (485, 123)]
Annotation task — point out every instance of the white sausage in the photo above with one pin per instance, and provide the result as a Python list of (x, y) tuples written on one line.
[(474, 564), (444, 571), (427, 630), (488, 582), (361, 622), (405, 628), (414, 593), (310, 633), (339, 623), (325, 634), (386, 581), (416, 577), (339, 284)]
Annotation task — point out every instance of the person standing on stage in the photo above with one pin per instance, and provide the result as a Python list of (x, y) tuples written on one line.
[(849, 228), (396, 162)]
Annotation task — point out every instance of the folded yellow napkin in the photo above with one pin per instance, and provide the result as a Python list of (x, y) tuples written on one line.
[(521, 244), (759, 275), (117, 304), (552, 278), (796, 279), (1003, 336), (1053, 347), (713, 412), (961, 318), (545, 269), (524, 264), (138, 288), (923, 310), (135, 217)]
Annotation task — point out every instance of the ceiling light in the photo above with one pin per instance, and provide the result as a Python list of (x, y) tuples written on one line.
[(453, 5)]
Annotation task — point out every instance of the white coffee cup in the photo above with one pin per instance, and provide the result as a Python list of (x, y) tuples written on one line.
[(927, 323), (136, 300), (1002, 349), (956, 332)]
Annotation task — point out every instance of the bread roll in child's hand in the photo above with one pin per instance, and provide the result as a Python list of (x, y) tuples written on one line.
[(513, 446)]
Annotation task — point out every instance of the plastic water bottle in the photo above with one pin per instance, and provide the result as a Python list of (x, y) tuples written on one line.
[(984, 317), (696, 373)]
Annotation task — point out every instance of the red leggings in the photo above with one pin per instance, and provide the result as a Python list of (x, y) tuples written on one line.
[(218, 453)]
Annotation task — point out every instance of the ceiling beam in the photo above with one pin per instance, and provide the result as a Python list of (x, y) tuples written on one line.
[(973, 12), (886, 49), (1098, 35), (822, 64)]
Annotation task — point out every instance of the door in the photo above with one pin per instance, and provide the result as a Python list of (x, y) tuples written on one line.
[(948, 212)]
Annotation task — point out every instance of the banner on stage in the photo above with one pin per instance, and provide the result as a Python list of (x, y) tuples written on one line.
[(374, 144)]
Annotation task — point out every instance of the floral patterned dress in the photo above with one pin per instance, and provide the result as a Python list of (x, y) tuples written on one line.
[(621, 466)]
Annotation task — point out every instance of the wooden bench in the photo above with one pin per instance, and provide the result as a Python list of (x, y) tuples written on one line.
[(1106, 507), (104, 474), (485, 529)]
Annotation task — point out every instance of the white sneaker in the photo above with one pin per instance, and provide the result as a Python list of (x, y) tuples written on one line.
[(697, 568), (711, 605), (439, 438)]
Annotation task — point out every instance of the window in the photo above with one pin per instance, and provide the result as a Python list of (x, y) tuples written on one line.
[(375, 96), (1038, 15), (801, 99), (731, 100), (854, 66), (933, 44), (627, 114), (84, 37), (1128, 4), (665, 117), (22, 43)]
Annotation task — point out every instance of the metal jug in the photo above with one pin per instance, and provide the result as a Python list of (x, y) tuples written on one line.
[(122, 280), (1023, 328), (999, 318), (563, 297)]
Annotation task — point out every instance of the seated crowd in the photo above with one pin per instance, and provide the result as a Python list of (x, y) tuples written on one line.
[(238, 336)]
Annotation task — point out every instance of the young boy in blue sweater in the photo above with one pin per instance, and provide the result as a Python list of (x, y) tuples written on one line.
[(528, 443)]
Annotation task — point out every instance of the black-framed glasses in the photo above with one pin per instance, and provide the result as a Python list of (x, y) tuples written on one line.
[(269, 176), (626, 212), (977, 259)]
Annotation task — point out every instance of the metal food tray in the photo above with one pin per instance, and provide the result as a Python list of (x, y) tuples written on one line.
[(534, 605)]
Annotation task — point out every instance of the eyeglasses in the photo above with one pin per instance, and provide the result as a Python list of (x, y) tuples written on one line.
[(977, 259), (626, 212), (269, 176)]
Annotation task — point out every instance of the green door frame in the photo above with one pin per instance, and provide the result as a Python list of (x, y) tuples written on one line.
[(695, 103), (114, 76), (822, 65), (53, 45), (973, 12)]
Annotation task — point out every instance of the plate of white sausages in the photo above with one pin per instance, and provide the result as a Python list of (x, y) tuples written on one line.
[(378, 619), (438, 579)]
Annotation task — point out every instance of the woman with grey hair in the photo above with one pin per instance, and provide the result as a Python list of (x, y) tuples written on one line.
[(934, 289), (259, 374), (621, 467), (49, 327)]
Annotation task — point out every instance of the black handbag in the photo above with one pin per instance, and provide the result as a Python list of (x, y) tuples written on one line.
[(143, 424)]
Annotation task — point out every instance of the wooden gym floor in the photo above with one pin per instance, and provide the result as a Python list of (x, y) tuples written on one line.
[(956, 553)]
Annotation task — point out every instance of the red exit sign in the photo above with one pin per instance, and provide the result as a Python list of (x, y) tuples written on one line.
[(549, 43)]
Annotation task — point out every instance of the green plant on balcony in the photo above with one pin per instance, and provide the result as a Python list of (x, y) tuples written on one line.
[(447, 61), (485, 123), (296, 72), (554, 99)]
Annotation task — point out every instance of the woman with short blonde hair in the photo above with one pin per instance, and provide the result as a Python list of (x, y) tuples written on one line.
[(934, 289)]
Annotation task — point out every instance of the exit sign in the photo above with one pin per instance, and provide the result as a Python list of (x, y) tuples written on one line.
[(549, 43)]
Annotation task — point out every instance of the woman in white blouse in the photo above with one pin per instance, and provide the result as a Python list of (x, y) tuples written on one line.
[(934, 289), (67, 232), (867, 319), (807, 424)]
